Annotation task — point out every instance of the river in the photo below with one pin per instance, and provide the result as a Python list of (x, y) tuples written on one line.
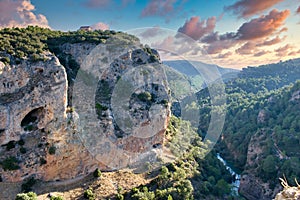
[(236, 184)]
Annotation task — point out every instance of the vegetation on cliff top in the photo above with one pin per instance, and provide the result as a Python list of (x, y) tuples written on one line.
[(31, 42)]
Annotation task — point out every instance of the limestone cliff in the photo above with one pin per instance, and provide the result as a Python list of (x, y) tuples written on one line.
[(40, 137)]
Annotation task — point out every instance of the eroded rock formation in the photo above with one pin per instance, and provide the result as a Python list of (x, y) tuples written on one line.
[(43, 139)]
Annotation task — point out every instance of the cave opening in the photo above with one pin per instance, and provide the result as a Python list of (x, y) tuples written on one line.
[(31, 120)]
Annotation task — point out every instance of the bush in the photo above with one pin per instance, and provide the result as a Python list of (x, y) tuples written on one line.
[(10, 163), (119, 197), (57, 198), (26, 196), (145, 96), (88, 194), (97, 173), (10, 145), (23, 150), (21, 142), (27, 186), (52, 150)]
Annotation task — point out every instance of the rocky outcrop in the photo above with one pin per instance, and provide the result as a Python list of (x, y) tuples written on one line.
[(40, 137), (31, 95), (251, 186)]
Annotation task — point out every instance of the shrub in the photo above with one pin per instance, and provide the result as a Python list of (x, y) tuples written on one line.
[(52, 150), (26, 196), (97, 173), (27, 186), (119, 196), (10, 145), (21, 142), (22, 150), (56, 198), (10, 163), (43, 161), (88, 194), (144, 96)]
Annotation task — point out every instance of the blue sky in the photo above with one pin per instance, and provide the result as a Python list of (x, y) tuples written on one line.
[(235, 33), (70, 15)]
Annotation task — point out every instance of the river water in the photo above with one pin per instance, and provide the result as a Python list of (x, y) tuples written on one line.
[(236, 184)]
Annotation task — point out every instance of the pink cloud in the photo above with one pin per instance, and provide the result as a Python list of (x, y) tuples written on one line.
[(20, 13), (283, 51), (263, 26), (97, 3), (225, 55), (271, 41), (248, 8), (100, 26), (196, 29), (247, 48), (261, 53), (163, 8), (219, 45)]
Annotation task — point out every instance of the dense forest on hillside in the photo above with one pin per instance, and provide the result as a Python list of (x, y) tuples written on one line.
[(263, 108)]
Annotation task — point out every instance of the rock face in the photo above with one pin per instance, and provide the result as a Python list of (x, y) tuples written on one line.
[(31, 95), (253, 187), (41, 138)]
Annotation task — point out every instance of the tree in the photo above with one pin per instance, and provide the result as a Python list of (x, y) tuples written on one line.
[(26, 196)]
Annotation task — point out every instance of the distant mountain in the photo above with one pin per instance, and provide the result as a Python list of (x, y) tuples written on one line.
[(193, 68), (185, 77)]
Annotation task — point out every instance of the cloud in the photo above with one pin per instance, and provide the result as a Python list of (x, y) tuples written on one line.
[(162, 8), (97, 3), (100, 26), (263, 26), (247, 48), (261, 53), (248, 8), (271, 41), (293, 53), (196, 29), (20, 13), (225, 55), (219, 46), (283, 51), (151, 32), (126, 2)]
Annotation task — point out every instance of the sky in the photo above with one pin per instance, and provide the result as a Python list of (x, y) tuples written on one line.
[(231, 33)]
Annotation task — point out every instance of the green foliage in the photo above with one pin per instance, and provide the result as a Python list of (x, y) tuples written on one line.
[(10, 163), (52, 150), (56, 198), (26, 196), (269, 90), (144, 96), (23, 150), (89, 194), (97, 173), (28, 184), (10, 145), (21, 142), (31, 42)]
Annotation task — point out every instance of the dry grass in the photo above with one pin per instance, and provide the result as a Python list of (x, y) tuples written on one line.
[(105, 187)]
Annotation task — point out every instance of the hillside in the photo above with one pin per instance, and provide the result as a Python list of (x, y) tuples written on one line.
[(47, 149), (260, 135)]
